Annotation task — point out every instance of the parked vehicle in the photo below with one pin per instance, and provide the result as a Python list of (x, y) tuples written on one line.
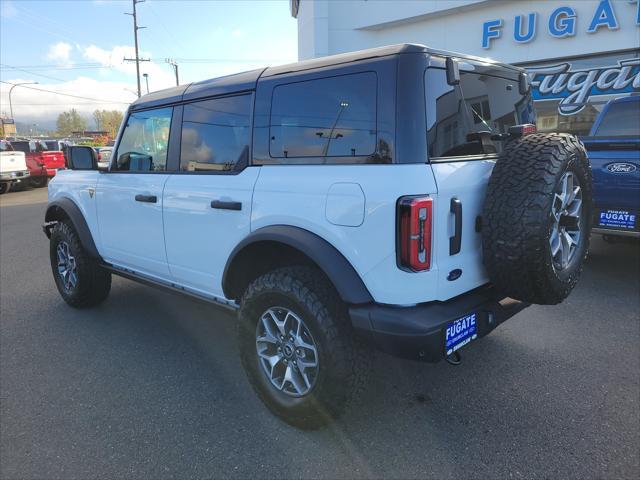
[(397, 197), (36, 151), (13, 167), (613, 146), (104, 156)]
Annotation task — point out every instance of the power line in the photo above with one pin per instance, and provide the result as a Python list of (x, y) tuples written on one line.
[(68, 94), (33, 73)]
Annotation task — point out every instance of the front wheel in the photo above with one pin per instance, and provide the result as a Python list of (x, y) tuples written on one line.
[(81, 281), (298, 348), (4, 187)]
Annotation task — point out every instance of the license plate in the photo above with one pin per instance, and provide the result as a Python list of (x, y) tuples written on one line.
[(620, 219), (460, 332)]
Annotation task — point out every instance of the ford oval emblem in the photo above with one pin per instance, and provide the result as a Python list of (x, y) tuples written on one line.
[(621, 167), (454, 274)]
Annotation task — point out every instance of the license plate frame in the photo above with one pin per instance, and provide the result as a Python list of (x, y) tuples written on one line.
[(460, 332)]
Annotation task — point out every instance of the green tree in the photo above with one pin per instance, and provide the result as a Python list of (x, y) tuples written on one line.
[(69, 122), (108, 120)]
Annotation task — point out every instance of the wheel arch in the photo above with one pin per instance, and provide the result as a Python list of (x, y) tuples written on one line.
[(66, 209), (283, 245)]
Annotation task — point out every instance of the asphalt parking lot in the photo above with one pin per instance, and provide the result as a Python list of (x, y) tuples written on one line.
[(149, 385)]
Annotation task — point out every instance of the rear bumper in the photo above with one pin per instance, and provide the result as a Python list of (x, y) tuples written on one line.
[(14, 176), (418, 332), (618, 233)]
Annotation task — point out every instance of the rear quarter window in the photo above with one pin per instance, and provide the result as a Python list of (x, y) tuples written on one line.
[(326, 117)]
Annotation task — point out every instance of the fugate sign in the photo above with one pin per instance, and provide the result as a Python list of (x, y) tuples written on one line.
[(575, 87), (562, 22)]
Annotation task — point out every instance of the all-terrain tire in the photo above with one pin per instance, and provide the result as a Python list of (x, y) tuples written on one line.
[(93, 282), (343, 359), (517, 220)]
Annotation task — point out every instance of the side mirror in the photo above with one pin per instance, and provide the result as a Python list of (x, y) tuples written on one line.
[(82, 158), (524, 84), (453, 71)]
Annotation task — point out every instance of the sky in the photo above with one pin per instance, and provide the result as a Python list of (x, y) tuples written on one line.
[(76, 48)]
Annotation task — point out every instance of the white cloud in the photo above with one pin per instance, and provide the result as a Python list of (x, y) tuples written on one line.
[(8, 9), (237, 33), (60, 52), (160, 75), (31, 105)]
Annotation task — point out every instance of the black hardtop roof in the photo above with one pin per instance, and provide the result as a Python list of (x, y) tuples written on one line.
[(247, 80)]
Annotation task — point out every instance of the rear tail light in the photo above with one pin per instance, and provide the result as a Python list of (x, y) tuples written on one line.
[(415, 216), (522, 130), (99, 156)]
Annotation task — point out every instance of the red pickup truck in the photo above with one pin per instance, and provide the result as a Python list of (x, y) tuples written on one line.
[(41, 162)]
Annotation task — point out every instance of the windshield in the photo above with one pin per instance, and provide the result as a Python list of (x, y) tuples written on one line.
[(480, 103), (5, 146), (52, 145), (620, 119)]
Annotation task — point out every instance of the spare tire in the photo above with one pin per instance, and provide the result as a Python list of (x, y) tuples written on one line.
[(537, 217)]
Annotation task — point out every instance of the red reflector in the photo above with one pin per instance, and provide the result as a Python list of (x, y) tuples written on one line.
[(414, 232)]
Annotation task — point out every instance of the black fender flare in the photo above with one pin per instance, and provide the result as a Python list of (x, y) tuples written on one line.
[(336, 267), (73, 213)]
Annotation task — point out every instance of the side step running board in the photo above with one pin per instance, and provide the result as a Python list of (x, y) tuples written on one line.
[(170, 287)]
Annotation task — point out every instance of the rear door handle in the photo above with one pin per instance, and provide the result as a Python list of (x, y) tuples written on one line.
[(456, 241), (226, 205), (146, 198)]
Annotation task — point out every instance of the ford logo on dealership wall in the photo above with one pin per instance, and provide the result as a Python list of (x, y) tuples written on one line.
[(621, 167)]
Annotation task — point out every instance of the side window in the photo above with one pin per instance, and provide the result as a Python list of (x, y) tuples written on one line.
[(460, 120), (327, 117), (215, 134), (145, 141), (621, 119)]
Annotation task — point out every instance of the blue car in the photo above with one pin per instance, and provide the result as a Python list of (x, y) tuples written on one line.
[(614, 150)]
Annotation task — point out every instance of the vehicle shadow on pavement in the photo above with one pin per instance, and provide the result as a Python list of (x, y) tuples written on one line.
[(521, 395)]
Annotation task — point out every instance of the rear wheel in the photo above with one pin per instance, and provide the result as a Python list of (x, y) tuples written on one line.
[(298, 348), (81, 281), (4, 187), (38, 182)]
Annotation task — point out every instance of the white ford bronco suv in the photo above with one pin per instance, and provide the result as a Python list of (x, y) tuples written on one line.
[(396, 197)]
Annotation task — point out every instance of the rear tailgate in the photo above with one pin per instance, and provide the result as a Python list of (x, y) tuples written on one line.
[(12, 162), (52, 160), (460, 121), (461, 191), (615, 164)]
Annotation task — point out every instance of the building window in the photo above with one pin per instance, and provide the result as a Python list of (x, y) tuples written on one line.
[(215, 134), (328, 117)]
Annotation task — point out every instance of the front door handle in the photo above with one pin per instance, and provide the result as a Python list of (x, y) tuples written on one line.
[(146, 198), (226, 205), (456, 241)]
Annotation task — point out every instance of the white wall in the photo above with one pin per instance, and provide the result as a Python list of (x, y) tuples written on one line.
[(328, 27)]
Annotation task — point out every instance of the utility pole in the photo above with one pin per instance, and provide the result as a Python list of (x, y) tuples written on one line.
[(135, 39), (174, 64)]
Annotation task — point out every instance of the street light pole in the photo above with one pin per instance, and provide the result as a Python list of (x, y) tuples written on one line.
[(11, 89)]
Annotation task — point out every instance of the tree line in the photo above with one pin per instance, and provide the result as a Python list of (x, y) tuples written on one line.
[(71, 121)]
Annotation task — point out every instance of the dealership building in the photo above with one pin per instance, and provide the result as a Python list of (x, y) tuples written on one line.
[(579, 53)]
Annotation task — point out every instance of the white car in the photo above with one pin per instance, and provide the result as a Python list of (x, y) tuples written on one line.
[(13, 167), (397, 197)]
